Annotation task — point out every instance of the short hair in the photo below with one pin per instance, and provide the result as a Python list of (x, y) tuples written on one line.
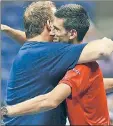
[(75, 17), (36, 16)]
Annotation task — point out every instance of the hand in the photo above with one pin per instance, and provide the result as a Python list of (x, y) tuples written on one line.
[(3, 111), (106, 39), (4, 27)]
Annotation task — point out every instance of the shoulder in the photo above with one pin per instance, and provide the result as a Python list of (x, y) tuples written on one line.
[(87, 66)]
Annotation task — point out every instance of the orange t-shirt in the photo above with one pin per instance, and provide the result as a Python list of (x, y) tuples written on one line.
[(87, 105)]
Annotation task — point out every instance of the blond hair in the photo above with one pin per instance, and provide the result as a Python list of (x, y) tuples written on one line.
[(36, 16)]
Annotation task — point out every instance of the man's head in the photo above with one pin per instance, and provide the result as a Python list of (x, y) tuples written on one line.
[(71, 23), (36, 16)]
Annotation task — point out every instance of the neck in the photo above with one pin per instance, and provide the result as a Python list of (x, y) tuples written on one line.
[(75, 42), (43, 37), (40, 38)]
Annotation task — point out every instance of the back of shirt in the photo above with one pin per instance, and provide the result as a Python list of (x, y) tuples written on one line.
[(88, 104), (36, 70)]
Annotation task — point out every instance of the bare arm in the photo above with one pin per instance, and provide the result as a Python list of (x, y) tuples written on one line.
[(41, 103), (96, 50), (15, 34), (108, 84), (48, 101)]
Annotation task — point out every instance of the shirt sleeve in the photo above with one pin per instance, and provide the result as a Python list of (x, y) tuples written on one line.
[(73, 54), (69, 56), (78, 79)]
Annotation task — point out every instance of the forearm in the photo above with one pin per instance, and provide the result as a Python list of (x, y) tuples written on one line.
[(108, 84), (96, 50), (15, 34), (41, 103), (35, 105)]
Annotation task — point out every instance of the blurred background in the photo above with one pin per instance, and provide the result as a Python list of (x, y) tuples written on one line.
[(101, 15)]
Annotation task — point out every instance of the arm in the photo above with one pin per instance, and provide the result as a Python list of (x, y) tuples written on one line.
[(51, 100), (108, 84), (96, 50), (48, 101), (15, 34), (41, 103)]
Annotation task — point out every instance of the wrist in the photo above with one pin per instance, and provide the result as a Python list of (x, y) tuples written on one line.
[(9, 110), (6, 111)]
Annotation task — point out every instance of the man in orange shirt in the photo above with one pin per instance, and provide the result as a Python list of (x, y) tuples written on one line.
[(83, 85), (87, 103)]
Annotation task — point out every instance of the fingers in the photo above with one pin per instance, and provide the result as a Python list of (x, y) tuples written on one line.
[(4, 27), (105, 38)]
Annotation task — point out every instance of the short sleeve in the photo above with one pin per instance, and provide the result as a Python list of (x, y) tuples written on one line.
[(78, 79), (68, 57), (72, 56)]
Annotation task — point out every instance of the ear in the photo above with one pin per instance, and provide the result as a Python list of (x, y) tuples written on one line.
[(49, 25), (73, 34), (50, 28)]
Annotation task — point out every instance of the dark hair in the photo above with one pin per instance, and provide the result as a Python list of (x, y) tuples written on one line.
[(75, 17), (36, 16)]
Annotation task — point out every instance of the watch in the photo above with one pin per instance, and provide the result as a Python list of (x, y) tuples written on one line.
[(4, 111)]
